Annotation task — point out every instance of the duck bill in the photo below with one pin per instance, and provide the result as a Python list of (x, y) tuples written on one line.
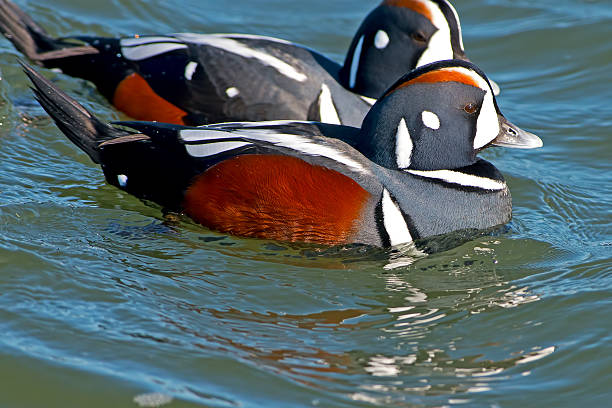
[(512, 136)]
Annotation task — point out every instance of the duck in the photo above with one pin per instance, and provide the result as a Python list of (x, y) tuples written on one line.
[(194, 79), (411, 172)]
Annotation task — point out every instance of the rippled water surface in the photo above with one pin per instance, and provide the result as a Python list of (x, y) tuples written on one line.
[(104, 302)]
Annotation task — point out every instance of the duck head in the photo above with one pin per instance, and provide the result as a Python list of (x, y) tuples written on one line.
[(398, 36), (439, 116)]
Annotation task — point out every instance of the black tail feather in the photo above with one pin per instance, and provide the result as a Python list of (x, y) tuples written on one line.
[(32, 40), (27, 36), (79, 125)]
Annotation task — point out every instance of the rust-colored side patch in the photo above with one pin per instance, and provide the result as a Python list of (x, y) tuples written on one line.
[(135, 97), (416, 5), (276, 197)]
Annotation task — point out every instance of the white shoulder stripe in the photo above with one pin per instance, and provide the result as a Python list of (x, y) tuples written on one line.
[(355, 63), (294, 142), (394, 221), (238, 48), (463, 179), (327, 110)]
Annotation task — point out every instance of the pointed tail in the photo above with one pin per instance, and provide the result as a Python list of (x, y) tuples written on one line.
[(79, 125), (32, 40)]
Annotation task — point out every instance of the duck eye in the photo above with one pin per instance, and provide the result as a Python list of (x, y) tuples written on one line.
[(419, 37), (470, 108)]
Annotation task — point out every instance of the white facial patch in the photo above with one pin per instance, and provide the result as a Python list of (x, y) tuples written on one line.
[(238, 48), (355, 63), (190, 70), (394, 221), (403, 145), (450, 6), (487, 125), (327, 110), (431, 120), (381, 40), (440, 47), (232, 92)]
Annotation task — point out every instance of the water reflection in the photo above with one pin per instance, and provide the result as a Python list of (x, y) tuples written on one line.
[(435, 374), (303, 364), (413, 336)]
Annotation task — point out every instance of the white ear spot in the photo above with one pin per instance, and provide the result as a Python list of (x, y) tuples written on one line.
[(403, 145), (190, 70), (232, 92), (381, 40), (431, 120), (122, 180)]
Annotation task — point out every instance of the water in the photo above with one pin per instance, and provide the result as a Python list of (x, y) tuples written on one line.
[(104, 302)]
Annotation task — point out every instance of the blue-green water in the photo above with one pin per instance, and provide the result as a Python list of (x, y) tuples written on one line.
[(103, 302)]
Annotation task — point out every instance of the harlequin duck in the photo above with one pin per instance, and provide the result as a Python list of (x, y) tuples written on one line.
[(413, 173), (196, 79)]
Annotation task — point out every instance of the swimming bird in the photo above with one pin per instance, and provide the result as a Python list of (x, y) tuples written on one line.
[(411, 171), (206, 78)]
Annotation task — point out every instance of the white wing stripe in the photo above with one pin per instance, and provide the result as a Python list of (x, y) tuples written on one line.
[(136, 41), (247, 37), (247, 125), (196, 135), (239, 48), (210, 149), (149, 50), (294, 142)]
